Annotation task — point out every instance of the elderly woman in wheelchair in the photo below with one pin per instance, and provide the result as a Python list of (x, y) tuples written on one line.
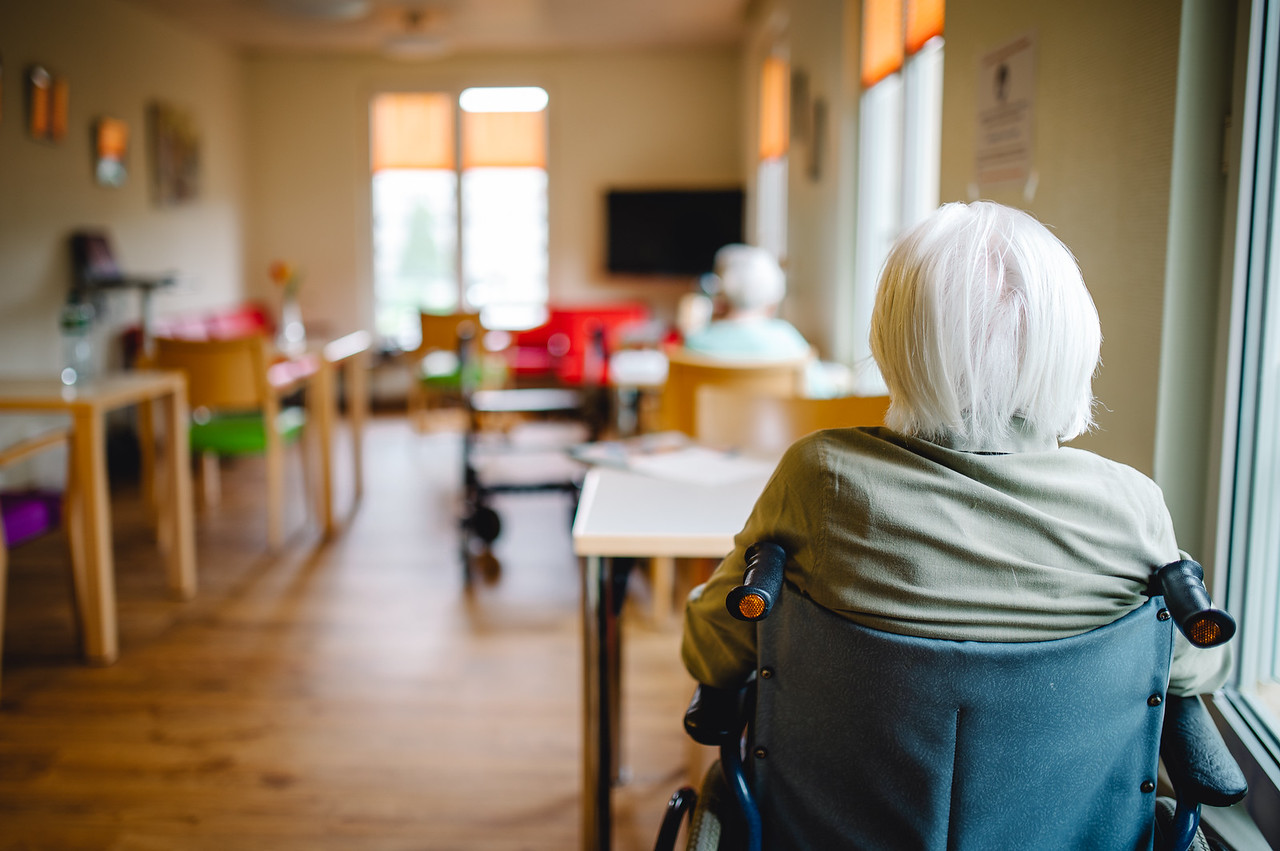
[(970, 641)]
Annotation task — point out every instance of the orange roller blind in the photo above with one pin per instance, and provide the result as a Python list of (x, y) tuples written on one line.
[(504, 140), (924, 21), (881, 40), (413, 130), (775, 86)]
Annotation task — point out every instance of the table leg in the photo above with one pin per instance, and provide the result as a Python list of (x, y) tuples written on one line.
[(322, 412), (97, 599), (357, 412), (180, 555), (605, 581), (597, 767)]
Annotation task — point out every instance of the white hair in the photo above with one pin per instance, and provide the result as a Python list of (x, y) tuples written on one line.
[(750, 277), (982, 318)]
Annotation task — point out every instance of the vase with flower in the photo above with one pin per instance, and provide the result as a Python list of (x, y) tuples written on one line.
[(291, 334)]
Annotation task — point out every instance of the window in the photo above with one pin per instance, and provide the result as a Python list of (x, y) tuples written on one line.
[(899, 143), (775, 141), (459, 207), (1252, 550)]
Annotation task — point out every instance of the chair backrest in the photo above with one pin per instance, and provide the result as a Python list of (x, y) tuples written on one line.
[(221, 374), (732, 419), (687, 371), (441, 331), (866, 739)]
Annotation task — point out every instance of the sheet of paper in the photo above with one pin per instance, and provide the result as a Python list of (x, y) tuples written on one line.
[(699, 465)]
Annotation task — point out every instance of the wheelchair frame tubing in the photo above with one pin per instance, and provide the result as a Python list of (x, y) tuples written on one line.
[(736, 777), (1186, 820)]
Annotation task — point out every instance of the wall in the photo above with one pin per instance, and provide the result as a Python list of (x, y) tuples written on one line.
[(636, 119), (821, 169), (117, 60), (1106, 75)]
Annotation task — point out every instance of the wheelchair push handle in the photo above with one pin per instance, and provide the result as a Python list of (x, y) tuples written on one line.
[(1203, 623), (761, 583)]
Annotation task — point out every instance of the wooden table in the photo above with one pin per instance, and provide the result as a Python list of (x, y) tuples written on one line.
[(345, 353), (624, 514), (88, 403)]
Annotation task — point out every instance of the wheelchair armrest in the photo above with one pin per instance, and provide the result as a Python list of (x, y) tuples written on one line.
[(715, 715), (761, 582), (1196, 757)]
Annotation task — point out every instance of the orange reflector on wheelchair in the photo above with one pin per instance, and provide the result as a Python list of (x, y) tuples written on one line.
[(1203, 632), (751, 606)]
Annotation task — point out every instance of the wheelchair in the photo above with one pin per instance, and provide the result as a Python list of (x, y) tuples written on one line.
[(480, 524), (851, 737)]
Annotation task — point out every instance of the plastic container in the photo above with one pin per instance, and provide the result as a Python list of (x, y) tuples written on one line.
[(77, 342)]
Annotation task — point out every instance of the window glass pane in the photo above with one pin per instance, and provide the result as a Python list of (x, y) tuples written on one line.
[(771, 206), (921, 133), (414, 248), (1252, 554), (1255, 562), (504, 243), (880, 171)]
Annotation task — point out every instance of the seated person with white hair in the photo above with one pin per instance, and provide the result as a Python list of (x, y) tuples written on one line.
[(965, 518), (753, 285)]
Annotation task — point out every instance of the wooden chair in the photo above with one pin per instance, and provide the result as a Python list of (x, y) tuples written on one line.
[(31, 514), (441, 333), (236, 410), (687, 371), (763, 423)]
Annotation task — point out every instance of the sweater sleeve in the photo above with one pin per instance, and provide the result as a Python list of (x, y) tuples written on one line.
[(717, 649)]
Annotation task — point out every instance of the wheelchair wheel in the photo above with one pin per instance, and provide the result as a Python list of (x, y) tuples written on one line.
[(484, 523)]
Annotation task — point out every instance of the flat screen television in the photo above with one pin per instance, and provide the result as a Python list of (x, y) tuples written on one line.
[(670, 231)]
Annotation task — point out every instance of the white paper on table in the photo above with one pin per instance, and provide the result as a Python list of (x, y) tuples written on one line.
[(699, 465)]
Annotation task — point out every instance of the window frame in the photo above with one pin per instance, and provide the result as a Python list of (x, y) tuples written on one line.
[(455, 94), (1248, 512)]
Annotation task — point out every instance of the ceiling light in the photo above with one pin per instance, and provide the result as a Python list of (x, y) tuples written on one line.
[(503, 99), (420, 39)]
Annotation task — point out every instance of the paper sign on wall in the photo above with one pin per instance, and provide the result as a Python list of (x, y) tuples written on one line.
[(1006, 100)]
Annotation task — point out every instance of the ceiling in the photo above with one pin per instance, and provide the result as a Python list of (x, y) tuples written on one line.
[(426, 28)]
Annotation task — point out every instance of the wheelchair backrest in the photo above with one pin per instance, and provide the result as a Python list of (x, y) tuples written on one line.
[(867, 739)]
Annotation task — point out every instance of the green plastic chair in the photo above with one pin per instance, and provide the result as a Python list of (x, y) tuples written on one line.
[(236, 410)]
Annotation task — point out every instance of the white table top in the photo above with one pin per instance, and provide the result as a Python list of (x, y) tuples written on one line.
[(624, 513)]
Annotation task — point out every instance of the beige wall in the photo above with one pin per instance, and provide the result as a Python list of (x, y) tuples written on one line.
[(1102, 153), (117, 61), (813, 35), (285, 153), (664, 118)]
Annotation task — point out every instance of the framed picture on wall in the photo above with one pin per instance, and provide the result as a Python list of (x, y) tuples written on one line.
[(48, 100), (39, 96), (110, 148), (175, 154)]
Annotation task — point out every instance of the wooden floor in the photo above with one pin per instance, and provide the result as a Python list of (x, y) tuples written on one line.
[(340, 696)]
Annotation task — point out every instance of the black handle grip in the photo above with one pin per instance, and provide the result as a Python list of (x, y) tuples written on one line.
[(761, 583), (1204, 624)]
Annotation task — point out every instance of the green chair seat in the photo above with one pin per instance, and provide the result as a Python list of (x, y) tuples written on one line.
[(243, 433)]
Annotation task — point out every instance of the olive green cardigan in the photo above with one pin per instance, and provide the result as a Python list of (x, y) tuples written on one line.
[(912, 537)]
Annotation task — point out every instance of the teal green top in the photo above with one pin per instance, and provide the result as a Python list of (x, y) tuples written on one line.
[(1026, 543), (749, 339)]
